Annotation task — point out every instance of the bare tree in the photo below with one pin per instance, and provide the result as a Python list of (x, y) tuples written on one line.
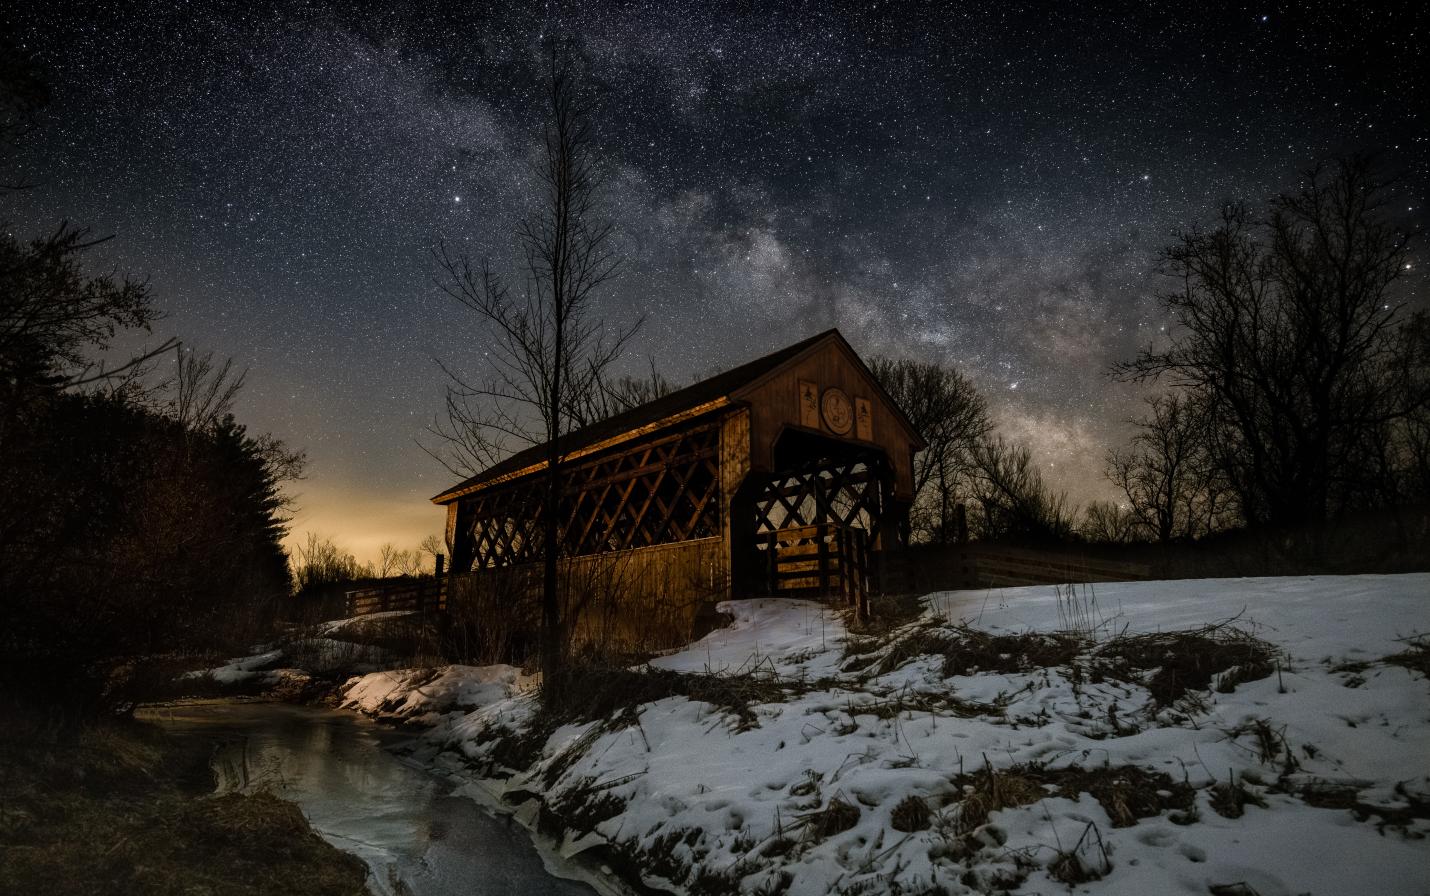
[(1104, 522), (948, 412), (614, 396), (548, 352), (204, 391), (1013, 501), (318, 561), (1286, 331), (430, 548), (387, 559), (410, 563), (1167, 473), (54, 319), (1407, 445)]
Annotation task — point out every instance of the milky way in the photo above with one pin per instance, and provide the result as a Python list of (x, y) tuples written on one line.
[(986, 187)]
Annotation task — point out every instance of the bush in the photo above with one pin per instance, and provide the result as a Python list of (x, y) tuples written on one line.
[(128, 534)]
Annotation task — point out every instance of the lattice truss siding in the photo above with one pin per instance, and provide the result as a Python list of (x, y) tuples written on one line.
[(660, 491), (845, 494)]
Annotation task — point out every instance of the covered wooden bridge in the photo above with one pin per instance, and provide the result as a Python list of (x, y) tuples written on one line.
[(791, 474)]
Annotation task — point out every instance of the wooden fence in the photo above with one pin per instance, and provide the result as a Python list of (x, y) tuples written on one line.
[(961, 566), (418, 595)]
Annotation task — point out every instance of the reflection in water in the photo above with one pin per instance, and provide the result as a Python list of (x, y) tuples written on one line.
[(403, 821)]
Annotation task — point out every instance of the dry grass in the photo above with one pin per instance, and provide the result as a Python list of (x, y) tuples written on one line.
[(119, 809), (1184, 661), (911, 814), (836, 818), (966, 650), (581, 807), (1126, 793), (1230, 799), (1087, 861), (1409, 809), (595, 692), (1416, 657), (906, 702), (887, 613)]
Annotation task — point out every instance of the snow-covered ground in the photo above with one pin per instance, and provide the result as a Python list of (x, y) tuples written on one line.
[(1311, 777), (422, 695)]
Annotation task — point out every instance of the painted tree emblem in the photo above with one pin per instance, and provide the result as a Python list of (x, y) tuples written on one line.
[(838, 412)]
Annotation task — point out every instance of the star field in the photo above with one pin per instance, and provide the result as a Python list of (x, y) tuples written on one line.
[(985, 185)]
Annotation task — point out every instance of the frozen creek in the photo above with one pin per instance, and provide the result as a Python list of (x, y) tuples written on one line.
[(404, 821)]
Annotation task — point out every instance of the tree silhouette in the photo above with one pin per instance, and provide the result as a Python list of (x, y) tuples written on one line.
[(946, 409), (549, 354), (1286, 331)]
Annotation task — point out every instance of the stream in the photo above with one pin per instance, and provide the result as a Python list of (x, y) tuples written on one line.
[(416, 836)]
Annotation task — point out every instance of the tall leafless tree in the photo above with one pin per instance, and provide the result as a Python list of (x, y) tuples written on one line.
[(1285, 327), (1167, 474), (1012, 500), (547, 350), (946, 409)]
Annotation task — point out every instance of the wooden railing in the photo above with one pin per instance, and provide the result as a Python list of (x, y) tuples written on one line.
[(418, 595), (819, 561), (994, 568), (951, 567)]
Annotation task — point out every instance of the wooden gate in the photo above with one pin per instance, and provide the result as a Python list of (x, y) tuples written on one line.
[(820, 561)]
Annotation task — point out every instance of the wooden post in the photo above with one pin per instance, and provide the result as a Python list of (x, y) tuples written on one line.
[(772, 562), (845, 583), (863, 548), (822, 543)]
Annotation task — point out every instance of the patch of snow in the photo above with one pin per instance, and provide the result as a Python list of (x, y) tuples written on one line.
[(787, 637), (702, 791), (337, 625), (422, 692), (243, 668)]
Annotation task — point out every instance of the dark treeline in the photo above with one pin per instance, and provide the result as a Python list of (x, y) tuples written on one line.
[(138, 518), (1297, 402), (1300, 386)]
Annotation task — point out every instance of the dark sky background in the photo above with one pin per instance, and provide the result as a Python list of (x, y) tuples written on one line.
[(984, 185)]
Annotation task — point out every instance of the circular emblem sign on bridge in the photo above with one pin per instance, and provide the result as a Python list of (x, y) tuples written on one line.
[(837, 411)]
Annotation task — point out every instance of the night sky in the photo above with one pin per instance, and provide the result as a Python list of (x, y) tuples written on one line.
[(984, 185)]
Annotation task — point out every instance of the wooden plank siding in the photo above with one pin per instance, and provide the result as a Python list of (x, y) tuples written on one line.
[(642, 599)]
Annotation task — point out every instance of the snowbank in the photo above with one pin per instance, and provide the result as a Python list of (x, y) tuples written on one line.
[(244, 668), (888, 766), (338, 625), (419, 693)]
